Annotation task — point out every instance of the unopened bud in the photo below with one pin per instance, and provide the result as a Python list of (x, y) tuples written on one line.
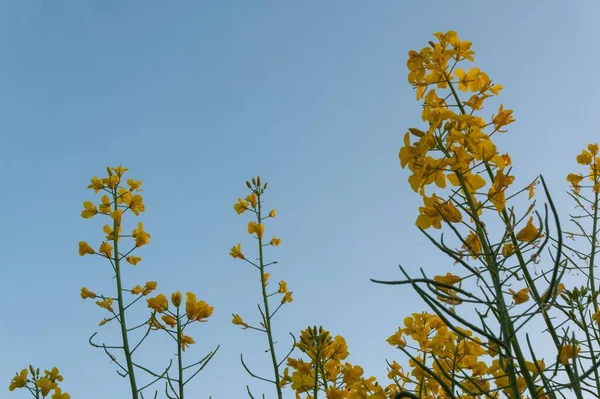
[(254, 181), (265, 186), (258, 180), (248, 184), (31, 369)]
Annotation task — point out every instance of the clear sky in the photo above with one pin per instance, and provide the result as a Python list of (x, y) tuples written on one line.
[(195, 98)]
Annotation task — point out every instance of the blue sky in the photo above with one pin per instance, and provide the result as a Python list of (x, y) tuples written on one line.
[(197, 97)]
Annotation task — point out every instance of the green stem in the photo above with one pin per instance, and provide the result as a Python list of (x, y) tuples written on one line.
[(503, 316), (179, 358), (266, 302), (317, 365), (120, 300)]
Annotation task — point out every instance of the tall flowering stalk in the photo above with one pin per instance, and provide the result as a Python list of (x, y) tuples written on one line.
[(253, 203), (118, 200), (456, 147)]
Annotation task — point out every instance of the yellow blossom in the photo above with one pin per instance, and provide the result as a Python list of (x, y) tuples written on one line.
[(96, 185), (84, 248), (141, 237), (236, 251), (169, 320), (158, 303), (273, 213), (136, 290), (282, 287), (256, 228), (105, 249), (267, 275), (136, 205), (503, 118), (117, 215), (472, 245), (85, 293), (106, 304), (252, 199), (186, 341), (134, 260), (275, 241), (89, 210), (176, 298), (520, 296), (568, 352), (105, 206), (149, 287), (19, 380), (45, 385), (134, 185), (237, 319), (529, 232), (508, 249), (287, 297), (53, 375), (240, 206), (585, 158), (59, 394)]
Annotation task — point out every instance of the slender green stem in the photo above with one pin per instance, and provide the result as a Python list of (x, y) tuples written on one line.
[(266, 301), (317, 365), (120, 300), (179, 357)]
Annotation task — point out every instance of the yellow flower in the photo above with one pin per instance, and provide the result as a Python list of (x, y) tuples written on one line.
[(134, 185), (275, 241), (158, 303), (134, 260), (141, 237), (45, 385), (110, 234), (106, 304), (117, 215), (256, 228), (89, 210), (19, 380), (574, 179), (137, 205), (191, 305), (203, 311), (472, 245), (282, 287), (267, 275), (85, 293), (111, 181), (176, 298), (96, 185), (84, 248), (155, 324), (593, 148), (53, 374), (58, 394), (287, 297), (237, 319), (449, 278), (585, 158), (396, 339), (136, 290), (119, 170), (508, 249), (236, 251), (529, 232), (520, 296), (105, 249), (273, 213), (169, 320), (105, 205), (568, 352), (186, 341), (241, 206), (503, 118), (149, 287), (252, 199)]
